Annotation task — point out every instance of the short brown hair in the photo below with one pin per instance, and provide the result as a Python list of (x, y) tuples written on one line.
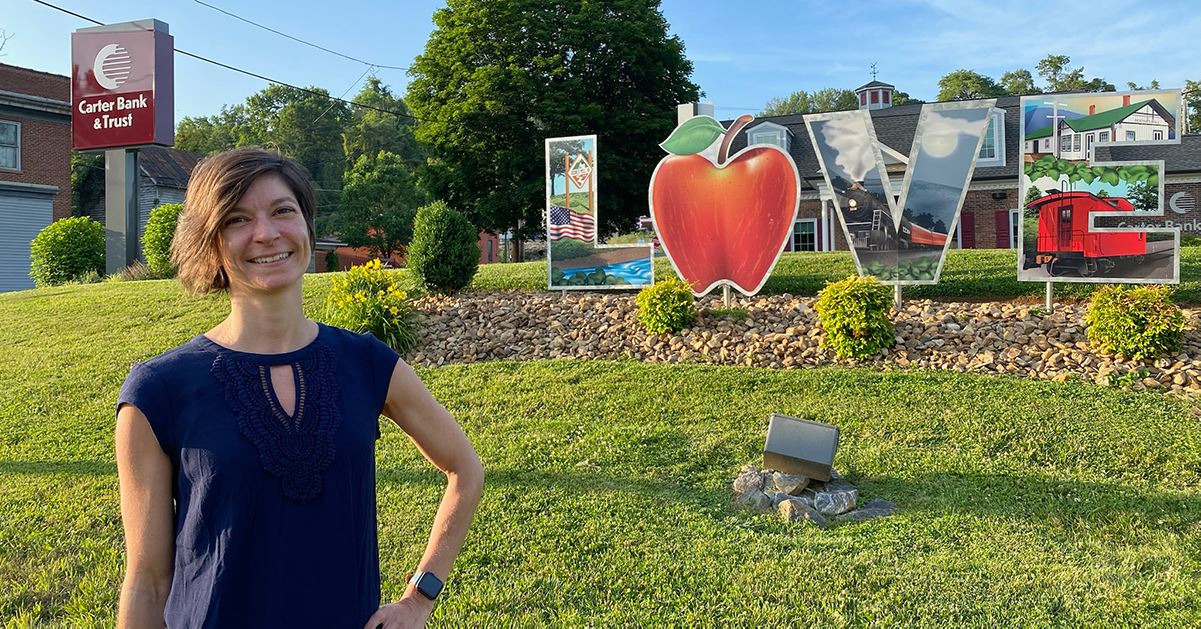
[(217, 184)]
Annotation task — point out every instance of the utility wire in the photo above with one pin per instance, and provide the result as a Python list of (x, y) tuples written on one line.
[(297, 39), (240, 70), (344, 93)]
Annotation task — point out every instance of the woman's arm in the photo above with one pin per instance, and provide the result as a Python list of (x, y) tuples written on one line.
[(146, 512), (436, 434)]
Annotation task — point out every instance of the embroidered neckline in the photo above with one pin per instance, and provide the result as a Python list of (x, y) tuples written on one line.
[(298, 449), (272, 359)]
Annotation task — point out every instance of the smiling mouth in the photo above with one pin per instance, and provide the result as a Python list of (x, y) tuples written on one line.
[(269, 259)]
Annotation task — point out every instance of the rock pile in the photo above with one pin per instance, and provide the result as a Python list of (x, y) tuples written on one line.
[(782, 331), (801, 499)]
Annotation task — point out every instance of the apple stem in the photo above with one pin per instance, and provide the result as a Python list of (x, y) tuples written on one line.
[(735, 127)]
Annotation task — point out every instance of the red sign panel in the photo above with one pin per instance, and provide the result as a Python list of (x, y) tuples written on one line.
[(122, 86)]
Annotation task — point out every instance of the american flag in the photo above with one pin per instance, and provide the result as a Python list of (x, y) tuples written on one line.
[(565, 222)]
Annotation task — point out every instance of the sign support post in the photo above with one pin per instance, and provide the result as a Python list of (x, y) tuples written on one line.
[(120, 209)]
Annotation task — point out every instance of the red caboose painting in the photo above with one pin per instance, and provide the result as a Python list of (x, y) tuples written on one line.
[(1064, 241)]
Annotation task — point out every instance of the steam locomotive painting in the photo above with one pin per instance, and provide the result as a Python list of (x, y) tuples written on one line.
[(871, 226), (1066, 244)]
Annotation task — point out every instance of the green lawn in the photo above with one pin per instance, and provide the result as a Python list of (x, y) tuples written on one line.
[(967, 274), (1022, 502)]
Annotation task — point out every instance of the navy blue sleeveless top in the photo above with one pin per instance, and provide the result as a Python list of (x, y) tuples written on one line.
[(275, 515)]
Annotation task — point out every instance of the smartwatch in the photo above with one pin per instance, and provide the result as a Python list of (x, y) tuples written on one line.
[(429, 585)]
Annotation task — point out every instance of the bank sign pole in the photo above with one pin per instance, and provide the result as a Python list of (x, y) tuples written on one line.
[(122, 98)]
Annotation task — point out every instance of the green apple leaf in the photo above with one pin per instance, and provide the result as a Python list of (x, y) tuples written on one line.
[(694, 136)]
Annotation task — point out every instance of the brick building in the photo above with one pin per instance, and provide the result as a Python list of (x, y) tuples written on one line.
[(990, 215), (35, 164)]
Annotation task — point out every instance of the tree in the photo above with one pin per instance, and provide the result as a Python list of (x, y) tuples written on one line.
[(1032, 194), (4, 37), (903, 98), (1192, 100), (303, 125), (1144, 197), (834, 99), (211, 134), (1018, 83), (1060, 78), (1135, 86), (795, 103), (495, 79), (558, 160), (370, 131), (87, 182), (379, 202), (802, 102), (967, 85)]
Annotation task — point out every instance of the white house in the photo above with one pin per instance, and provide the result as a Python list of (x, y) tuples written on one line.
[(1143, 121)]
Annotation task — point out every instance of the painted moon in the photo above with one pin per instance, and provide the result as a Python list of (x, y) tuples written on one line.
[(940, 143), (112, 66)]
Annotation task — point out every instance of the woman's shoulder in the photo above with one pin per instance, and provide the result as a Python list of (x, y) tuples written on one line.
[(179, 359), (348, 340)]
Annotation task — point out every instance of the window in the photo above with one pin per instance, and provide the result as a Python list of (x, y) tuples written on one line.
[(10, 145), (1076, 142), (1046, 145), (1015, 217), (1157, 134), (862, 98), (769, 133), (766, 137), (875, 97), (1129, 136), (1065, 143), (992, 151), (887, 97), (804, 235), (1104, 137)]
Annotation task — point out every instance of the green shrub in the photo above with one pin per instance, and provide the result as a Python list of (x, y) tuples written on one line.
[(331, 260), (1138, 323), (854, 314), (156, 242), (568, 248), (370, 299), (666, 306), (66, 250), (443, 253)]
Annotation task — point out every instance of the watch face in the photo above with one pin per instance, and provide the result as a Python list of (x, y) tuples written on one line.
[(429, 585)]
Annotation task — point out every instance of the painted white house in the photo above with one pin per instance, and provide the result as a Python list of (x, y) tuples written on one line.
[(1143, 121)]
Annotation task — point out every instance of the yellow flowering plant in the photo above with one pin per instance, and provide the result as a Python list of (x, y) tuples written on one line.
[(369, 299)]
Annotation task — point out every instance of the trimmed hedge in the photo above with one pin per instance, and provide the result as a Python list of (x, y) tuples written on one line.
[(156, 242), (443, 253), (854, 314), (1140, 322), (67, 250), (666, 306)]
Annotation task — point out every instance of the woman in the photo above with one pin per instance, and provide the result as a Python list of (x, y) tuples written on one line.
[(246, 456)]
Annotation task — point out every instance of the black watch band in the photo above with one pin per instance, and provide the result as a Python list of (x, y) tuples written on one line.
[(429, 585)]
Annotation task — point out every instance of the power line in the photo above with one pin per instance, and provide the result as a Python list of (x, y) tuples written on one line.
[(344, 93), (246, 72), (296, 39)]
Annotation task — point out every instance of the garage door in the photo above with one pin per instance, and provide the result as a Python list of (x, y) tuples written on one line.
[(22, 216)]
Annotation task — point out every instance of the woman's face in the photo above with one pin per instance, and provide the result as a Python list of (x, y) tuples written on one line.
[(264, 239)]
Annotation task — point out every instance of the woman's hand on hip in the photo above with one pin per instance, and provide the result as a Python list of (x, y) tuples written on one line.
[(411, 611)]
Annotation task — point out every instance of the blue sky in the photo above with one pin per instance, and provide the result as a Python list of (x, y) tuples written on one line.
[(744, 53)]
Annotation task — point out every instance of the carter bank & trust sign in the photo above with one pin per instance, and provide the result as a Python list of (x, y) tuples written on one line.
[(121, 86)]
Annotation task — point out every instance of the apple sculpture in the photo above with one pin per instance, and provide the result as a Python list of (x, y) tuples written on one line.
[(722, 222)]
